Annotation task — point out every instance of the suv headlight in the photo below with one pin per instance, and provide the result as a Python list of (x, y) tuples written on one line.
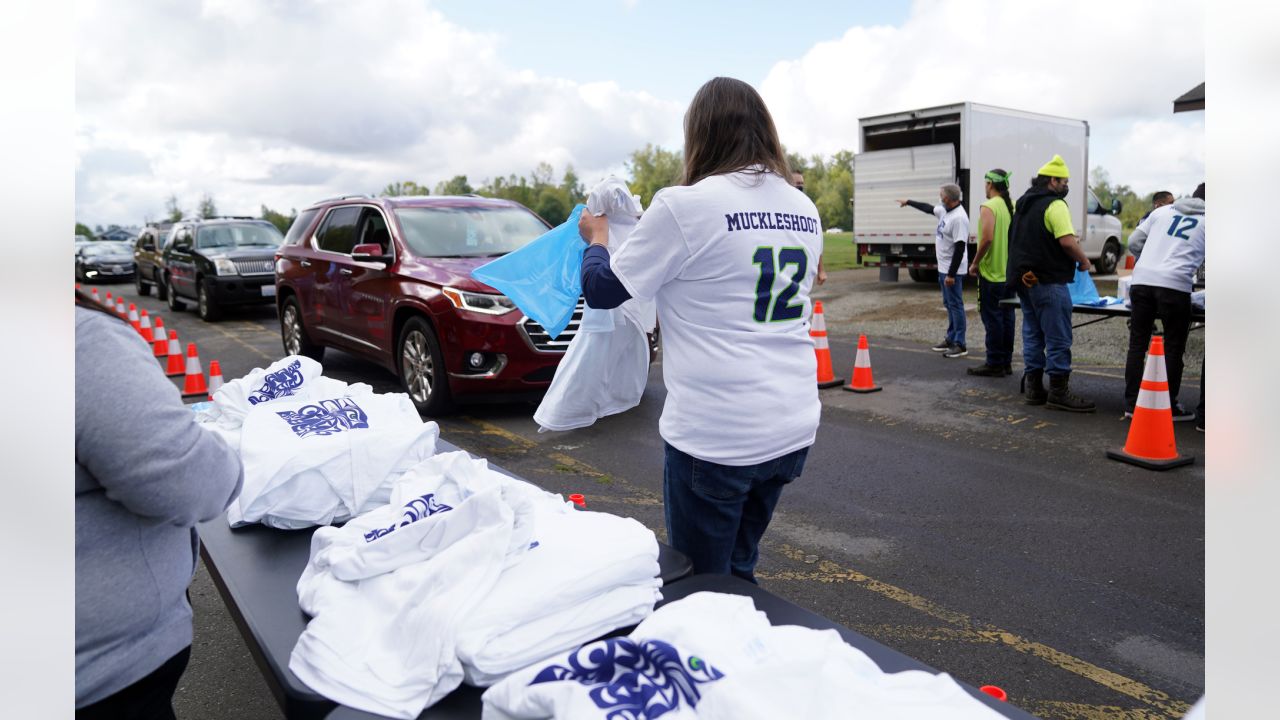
[(479, 302), (223, 265)]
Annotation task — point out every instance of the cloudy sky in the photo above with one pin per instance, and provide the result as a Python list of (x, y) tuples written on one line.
[(283, 102)]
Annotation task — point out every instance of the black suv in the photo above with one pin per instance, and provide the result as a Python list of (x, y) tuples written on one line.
[(146, 258), (220, 262)]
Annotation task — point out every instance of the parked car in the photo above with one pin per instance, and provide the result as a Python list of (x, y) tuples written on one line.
[(219, 262), (147, 256), (389, 279), (103, 261)]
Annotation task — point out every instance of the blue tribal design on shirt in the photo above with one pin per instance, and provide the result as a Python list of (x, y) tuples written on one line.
[(414, 510), (281, 383), (634, 681), (328, 417)]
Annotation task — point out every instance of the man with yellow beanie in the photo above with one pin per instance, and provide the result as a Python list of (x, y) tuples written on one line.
[(1043, 256)]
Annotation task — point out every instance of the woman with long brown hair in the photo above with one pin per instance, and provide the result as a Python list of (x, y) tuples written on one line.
[(730, 256)]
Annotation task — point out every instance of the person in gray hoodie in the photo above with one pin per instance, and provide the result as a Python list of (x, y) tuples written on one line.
[(145, 475), (1169, 246)]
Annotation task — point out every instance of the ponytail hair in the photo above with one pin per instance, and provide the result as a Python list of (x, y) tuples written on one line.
[(999, 180)]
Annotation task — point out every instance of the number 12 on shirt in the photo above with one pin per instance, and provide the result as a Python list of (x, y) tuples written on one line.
[(770, 308)]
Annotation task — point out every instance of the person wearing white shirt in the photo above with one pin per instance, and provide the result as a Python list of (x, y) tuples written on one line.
[(1169, 246), (951, 249), (730, 255)]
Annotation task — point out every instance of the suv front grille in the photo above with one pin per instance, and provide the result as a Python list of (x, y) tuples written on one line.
[(255, 267), (542, 342)]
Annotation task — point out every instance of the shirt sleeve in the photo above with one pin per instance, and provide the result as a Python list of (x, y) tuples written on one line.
[(599, 285), (1057, 219), (1138, 237), (137, 439), (654, 254)]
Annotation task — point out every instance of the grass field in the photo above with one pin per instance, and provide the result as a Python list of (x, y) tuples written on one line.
[(838, 252)]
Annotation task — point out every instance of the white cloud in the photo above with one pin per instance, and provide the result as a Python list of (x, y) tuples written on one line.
[(284, 103), (1117, 65)]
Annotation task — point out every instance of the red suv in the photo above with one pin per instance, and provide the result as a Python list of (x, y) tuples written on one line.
[(389, 278)]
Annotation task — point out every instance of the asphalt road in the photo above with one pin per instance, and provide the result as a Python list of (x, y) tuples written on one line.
[(942, 517)]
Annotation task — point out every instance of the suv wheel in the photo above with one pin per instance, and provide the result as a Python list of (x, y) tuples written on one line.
[(294, 335), (421, 368), (1110, 257), (162, 292), (174, 303), (143, 289), (206, 307)]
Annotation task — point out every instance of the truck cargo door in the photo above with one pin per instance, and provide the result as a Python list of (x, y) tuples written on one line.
[(882, 176)]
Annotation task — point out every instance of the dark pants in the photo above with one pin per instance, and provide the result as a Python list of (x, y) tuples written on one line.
[(151, 698), (716, 514), (1000, 321), (1173, 309), (1046, 328)]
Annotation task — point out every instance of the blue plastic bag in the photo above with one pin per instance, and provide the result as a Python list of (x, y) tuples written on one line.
[(543, 278), (1082, 289)]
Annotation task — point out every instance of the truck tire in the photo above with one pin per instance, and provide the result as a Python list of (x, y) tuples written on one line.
[(171, 298), (206, 307), (293, 333), (1110, 257), (923, 275)]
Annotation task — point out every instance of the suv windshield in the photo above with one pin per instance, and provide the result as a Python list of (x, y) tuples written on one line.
[(105, 248), (467, 231), (231, 235)]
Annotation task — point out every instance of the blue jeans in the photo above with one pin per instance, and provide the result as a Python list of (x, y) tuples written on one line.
[(998, 320), (716, 514), (1046, 328), (953, 299)]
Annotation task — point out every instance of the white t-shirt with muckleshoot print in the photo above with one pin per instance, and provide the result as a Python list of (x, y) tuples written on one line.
[(730, 261)]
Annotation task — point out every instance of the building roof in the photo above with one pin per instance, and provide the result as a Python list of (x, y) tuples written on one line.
[(1193, 99)]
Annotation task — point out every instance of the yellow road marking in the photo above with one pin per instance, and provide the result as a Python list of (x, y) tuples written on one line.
[(966, 627), (1080, 711), (831, 572)]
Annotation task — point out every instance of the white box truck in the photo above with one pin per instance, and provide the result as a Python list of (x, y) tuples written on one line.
[(911, 154)]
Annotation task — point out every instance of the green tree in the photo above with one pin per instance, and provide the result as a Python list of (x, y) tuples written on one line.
[(406, 188), (82, 229), (280, 220), (458, 185), (551, 206), (1132, 205), (207, 207), (173, 212), (652, 169), (571, 187)]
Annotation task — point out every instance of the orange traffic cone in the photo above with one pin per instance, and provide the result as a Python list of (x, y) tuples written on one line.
[(194, 385), (1129, 261), (95, 296), (159, 343), (133, 317), (862, 382), (176, 366), (144, 327), (120, 308), (818, 331), (1150, 444), (215, 377), (111, 303)]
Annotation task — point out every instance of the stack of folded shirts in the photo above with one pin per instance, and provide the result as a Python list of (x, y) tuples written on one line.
[(388, 591), (712, 655), (315, 450), (586, 575)]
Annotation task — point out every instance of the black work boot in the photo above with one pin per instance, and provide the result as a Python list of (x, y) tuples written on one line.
[(1008, 370), (1061, 397), (1033, 387), (985, 370)]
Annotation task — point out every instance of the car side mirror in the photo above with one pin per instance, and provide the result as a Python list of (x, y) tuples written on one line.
[(1115, 207), (370, 253)]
